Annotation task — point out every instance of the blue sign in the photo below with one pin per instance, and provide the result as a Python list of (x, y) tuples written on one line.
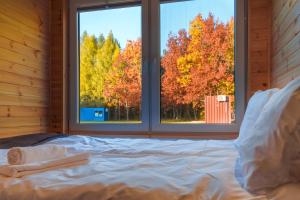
[(93, 114)]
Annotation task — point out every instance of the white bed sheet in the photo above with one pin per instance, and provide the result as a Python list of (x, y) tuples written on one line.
[(140, 169)]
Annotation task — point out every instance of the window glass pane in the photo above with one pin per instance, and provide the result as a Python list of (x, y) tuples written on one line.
[(110, 65), (197, 61)]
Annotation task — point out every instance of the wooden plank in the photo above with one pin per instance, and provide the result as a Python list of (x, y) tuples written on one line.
[(259, 56), (259, 35), (16, 35), (289, 48), (291, 15), (6, 77), (290, 63), (21, 111), (33, 54), (18, 131), (22, 25), (10, 122), (10, 100), (258, 67), (278, 5), (286, 78), (22, 70), (24, 91), (8, 55), (283, 12), (259, 4), (32, 7), (293, 31), (259, 82), (286, 42), (32, 18), (285, 32)]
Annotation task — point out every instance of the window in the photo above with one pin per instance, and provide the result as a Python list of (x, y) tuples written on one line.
[(110, 56), (157, 66)]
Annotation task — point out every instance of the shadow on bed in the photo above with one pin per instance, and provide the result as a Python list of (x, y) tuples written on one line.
[(28, 140)]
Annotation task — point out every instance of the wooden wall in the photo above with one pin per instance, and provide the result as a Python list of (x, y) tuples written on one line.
[(58, 70), (259, 45), (24, 86), (286, 41)]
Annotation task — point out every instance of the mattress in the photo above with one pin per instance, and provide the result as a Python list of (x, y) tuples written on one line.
[(140, 169)]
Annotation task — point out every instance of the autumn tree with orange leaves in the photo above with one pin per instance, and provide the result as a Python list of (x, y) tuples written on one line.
[(123, 86), (203, 65), (172, 92)]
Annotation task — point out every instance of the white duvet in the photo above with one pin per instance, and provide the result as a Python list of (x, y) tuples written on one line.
[(140, 169)]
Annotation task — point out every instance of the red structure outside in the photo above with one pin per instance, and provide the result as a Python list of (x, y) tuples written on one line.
[(218, 109)]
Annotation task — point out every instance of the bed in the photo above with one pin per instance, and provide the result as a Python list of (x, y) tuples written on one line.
[(147, 169)]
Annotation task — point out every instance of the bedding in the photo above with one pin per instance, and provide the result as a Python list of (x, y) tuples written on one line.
[(269, 155), (140, 169), (254, 108)]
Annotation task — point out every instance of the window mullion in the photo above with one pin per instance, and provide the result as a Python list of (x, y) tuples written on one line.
[(155, 64)]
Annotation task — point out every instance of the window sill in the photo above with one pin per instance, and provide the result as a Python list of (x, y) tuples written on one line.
[(164, 135)]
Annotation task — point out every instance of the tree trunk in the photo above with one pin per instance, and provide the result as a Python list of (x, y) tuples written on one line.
[(127, 112), (186, 112), (119, 110), (116, 113), (174, 112), (195, 114), (180, 112)]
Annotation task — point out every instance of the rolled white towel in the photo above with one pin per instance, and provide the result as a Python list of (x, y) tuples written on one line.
[(25, 155), (71, 160)]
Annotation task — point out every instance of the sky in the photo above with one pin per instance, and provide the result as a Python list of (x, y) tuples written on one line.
[(125, 23)]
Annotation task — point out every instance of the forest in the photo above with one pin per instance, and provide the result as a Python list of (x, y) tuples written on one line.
[(195, 63)]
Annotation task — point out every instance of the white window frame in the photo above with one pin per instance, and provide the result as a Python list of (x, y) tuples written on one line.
[(150, 112)]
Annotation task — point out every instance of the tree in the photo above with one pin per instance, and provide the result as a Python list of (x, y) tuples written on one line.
[(203, 65), (124, 80), (96, 58), (107, 53), (172, 91), (209, 56), (226, 84), (88, 49), (100, 41)]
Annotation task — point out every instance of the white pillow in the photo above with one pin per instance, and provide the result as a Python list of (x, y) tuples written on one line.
[(254, 107), (269, 155)]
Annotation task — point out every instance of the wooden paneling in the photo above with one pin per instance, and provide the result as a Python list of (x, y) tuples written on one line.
[(58, 73), (286, 41), (259, 45), (24, 77)]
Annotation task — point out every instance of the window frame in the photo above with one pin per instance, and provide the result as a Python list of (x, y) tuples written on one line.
[(90, 5), (150, 107), (240, 75)]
